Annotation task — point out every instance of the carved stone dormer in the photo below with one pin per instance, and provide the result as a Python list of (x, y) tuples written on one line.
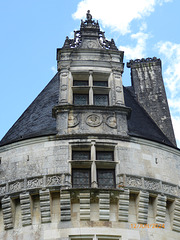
[(91, 98)]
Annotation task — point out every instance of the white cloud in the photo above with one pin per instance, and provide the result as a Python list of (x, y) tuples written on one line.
[(54, 70), (117, 14), (139, 51), (171, 53), (176, 125), (174, 104)]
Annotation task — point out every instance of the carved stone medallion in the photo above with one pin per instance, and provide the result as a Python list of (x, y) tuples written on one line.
[(94, 120), (111, 121), (90, 44), (73, 120)]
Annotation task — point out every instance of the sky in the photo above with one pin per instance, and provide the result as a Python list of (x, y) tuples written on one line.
[(32, 30)]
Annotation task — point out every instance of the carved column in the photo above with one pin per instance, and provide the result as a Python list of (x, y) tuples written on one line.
[(64, 86), (123, 210), (118, 88), (104, 206), (84, 205), (65, 205), (142, 207), (160, 209), (25, 201), (7, 212), (45, 205)]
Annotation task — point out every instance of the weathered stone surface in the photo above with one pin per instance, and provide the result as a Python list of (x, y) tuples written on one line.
[(149, 91)]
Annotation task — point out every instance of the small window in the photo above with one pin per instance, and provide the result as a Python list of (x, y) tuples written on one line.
[(81, 99), (100, 83), (81, 178), (106, 178), (101, 99), (81, 155), (105, 155), (80, 83)]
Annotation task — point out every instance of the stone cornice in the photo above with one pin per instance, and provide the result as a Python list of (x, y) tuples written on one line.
[(143, 62)]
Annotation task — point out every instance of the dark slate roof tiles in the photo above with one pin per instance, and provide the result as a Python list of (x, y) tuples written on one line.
[(37, 119)]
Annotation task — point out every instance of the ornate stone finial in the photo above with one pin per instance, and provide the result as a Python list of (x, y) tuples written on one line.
[(89, 36), (88, 16)]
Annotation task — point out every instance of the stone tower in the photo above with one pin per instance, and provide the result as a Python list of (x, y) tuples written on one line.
[(89, 158)]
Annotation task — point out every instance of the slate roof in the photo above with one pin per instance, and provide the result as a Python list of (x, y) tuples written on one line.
[(37, 119)]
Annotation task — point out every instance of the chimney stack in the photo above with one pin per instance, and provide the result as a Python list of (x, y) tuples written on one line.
[(148, 85)]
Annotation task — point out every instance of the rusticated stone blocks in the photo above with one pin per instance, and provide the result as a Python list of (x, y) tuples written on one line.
[(45, 206), (123, 212), (65, 205), (26, 213), (104, 206), (160, 209), (142, 207), (176, 215), (7, 212), (84, 205)]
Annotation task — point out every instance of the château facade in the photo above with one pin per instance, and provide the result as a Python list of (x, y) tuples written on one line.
[(91, 159)]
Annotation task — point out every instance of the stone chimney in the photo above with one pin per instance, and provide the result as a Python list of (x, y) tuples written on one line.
[(147, 82)]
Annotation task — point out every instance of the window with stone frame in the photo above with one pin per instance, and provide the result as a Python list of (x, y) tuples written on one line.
[(81, 178), (105, 155), (80, 83), (90, 89), (101, 99), (81, 99), (106, 178), (95, 237), (88, 159)]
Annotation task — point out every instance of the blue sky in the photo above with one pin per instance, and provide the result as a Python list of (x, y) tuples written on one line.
[(31, 31)]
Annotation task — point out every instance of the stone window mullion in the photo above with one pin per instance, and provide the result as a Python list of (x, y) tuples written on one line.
[(90, 88), (93, 166)]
